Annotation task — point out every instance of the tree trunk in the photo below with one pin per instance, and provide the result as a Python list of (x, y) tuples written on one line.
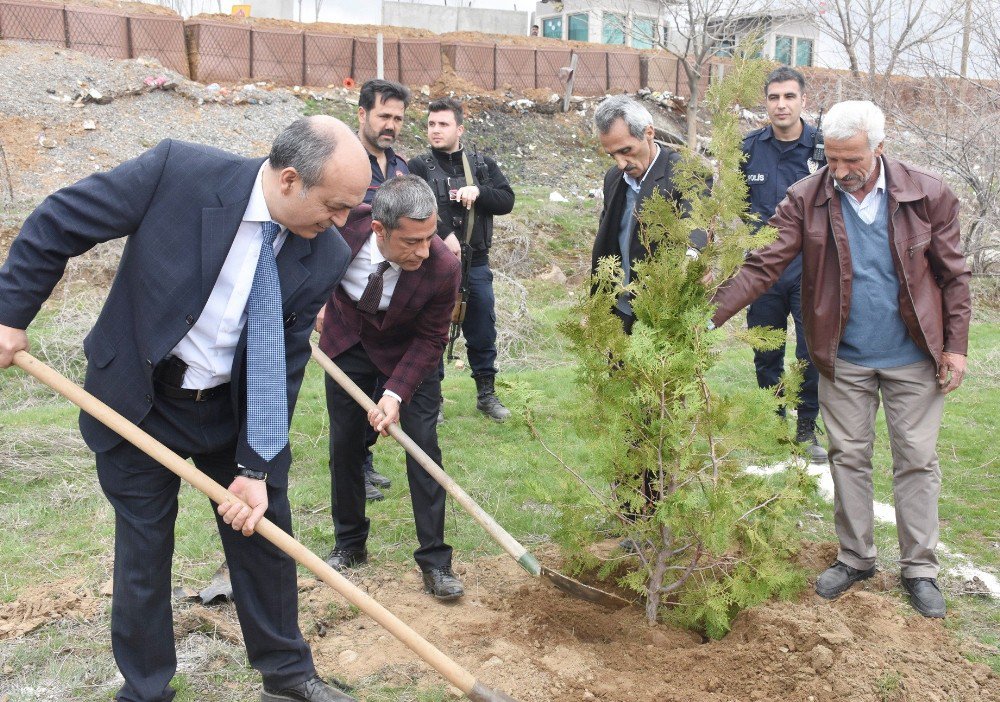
[(694, 80)]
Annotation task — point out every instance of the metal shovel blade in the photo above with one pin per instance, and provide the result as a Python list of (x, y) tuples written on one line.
[(219, 588), (481, 693), (577, 589)]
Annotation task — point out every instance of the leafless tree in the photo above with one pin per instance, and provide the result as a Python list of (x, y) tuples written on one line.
[(883, 37), (697, 31), (317, 6), (950, 125)]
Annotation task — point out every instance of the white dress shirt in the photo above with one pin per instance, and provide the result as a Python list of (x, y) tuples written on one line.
[(355, 280), (364, 264), (868, 207), (209, 347)]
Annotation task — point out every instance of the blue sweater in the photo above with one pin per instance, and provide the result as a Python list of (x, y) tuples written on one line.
[(875, 335)]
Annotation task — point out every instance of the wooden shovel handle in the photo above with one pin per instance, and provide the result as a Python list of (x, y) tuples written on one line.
[(452, 671), (509, 544)]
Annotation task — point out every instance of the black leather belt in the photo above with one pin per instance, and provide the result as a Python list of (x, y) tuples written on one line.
[(188, 394)]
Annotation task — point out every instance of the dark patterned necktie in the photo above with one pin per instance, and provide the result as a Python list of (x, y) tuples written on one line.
[(372, 296), (267, 398)]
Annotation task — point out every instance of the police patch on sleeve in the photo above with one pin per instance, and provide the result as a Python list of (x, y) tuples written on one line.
[(756, 178)]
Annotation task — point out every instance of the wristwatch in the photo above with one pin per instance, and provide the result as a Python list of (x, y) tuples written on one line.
[(248, 473)]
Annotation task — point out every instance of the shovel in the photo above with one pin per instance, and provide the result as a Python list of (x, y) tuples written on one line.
[(509, 544), (449, 669)]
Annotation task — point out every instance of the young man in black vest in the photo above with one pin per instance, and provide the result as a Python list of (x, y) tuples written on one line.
[(488, 194)]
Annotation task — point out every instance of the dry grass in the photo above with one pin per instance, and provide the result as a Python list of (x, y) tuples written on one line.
[(27, 455)]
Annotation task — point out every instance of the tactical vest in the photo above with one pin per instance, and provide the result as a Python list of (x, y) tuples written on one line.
[(444, 185)]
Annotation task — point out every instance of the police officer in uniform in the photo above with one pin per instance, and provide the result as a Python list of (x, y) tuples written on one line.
[(488, 195), (776, 157)]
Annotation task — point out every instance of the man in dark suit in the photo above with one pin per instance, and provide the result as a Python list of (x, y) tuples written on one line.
[(642, 166), (223, 252), (387, 323)]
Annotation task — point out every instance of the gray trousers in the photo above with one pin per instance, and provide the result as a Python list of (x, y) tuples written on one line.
[(913, 408)]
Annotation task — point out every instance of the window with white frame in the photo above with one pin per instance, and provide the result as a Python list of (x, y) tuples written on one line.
[(552, 27), (613, 28), (793, 51), (579, 29), (644, 32)]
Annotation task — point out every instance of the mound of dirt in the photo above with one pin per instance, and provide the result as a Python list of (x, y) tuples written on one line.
[(46, 604), (534, 642), (351, 30)]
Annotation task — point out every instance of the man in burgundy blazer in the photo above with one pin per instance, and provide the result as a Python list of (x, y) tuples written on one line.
[(400, 344)]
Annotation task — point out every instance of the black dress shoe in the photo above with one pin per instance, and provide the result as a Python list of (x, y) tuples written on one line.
[(375, 478), (925, 596), (312, 690), (836, 579), (372, 493), (341, 559), (443, 584)]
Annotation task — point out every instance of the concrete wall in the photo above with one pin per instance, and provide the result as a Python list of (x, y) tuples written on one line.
[(455, 19)]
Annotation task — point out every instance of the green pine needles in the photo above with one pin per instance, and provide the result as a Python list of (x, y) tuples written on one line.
[(710, 539)]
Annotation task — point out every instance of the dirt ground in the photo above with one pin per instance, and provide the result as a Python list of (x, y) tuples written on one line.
[(530, 640), (515, 633), (536, 643)]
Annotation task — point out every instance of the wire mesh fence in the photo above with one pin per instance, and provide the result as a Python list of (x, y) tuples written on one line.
[(366, 59), (472, 62), (98, 32), (624, 71), (328, 59), (515, 67), (419, 61), (547, 65), (591, 75), (277, 55), (218, 52), (40, 22), (161, 38)]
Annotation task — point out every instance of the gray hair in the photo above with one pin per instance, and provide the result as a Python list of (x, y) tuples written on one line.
[(403, 196), (636, 116), (852, 117), (303, 148)]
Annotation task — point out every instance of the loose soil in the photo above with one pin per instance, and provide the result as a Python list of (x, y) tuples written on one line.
[(45, 604), (536, 643), (532, 641), (515, 633)]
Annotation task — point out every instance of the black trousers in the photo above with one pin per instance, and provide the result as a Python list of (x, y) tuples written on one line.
[(348, 427), (771, 309), (144, 496)]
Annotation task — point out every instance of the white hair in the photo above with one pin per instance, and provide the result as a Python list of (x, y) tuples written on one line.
[(852, 117), (636, 116)]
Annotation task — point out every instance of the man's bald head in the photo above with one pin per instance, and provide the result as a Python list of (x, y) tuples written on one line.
[(318, 172), (308, 142)]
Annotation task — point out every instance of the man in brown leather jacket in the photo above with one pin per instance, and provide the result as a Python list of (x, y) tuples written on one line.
[(886, 309)]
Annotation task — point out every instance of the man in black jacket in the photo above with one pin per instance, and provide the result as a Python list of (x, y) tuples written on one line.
[(642, 166), (487, 195)]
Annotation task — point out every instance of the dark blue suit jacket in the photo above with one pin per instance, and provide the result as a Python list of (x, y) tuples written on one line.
[(180, 206)]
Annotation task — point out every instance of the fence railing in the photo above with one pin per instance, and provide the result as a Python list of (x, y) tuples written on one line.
[(230, 51)]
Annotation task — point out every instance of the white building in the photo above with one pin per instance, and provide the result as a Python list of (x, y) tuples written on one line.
[(637, 23)]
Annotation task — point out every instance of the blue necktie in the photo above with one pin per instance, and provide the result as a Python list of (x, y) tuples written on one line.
[(267, 399)]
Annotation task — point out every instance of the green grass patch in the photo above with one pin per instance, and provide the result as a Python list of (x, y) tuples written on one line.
[(55, 523)]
